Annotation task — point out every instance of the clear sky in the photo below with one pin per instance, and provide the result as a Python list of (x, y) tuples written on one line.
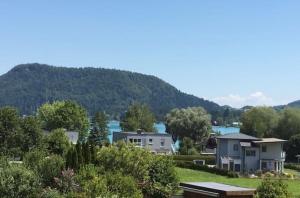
[(232, 52)]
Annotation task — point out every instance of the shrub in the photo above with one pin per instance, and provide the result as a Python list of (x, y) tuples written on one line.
[(191, 165), (292, 166), (208, 159), (49, 168), (33, 158), (50, 193), (17, 181), (273, 189)]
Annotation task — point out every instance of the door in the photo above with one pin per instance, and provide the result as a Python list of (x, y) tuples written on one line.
[(231, 165)]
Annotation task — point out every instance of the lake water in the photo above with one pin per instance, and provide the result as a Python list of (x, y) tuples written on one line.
[(114, 126)]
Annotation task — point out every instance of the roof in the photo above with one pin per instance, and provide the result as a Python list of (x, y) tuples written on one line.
[(218, 188), (269, 140), (237, 136), (144, 134)]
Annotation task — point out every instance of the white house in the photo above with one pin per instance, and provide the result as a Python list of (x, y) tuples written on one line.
[(243, 153)]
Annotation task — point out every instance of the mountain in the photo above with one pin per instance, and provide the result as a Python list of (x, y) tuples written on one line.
[(28, 86), (294, 104)]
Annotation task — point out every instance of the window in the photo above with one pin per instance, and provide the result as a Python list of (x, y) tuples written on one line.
[(162, 142), (150, 141), (264, 165), (130, 140), (237, 167), (264, 149), (236, 147), (250, 153)]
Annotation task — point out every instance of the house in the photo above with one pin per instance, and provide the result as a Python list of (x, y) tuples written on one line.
[(158, 143), (212, 189), (72, 135), (243, 153)]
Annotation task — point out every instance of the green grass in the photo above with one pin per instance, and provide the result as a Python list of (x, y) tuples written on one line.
[(188, 175)]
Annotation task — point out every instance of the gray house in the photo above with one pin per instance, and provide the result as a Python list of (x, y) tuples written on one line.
[(243, 153), (156, 142)]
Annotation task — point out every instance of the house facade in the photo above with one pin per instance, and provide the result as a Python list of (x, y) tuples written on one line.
[(243, 153), (156, 142)]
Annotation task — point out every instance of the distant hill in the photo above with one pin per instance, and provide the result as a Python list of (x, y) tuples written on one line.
[(28, 86), (294, 104)]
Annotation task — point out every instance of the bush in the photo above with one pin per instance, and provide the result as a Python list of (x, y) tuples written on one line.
[(49, 168), (191, 165), (273, 189), (17, 181), (208, 159), (292, 166)]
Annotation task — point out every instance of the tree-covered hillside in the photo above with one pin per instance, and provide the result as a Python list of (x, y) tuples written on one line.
[(28, 86)]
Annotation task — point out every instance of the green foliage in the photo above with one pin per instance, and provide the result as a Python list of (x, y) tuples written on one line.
[(191, 165), (57, 142), (153, 172), (99, 132), (208, 159), (33, 158), (86, 152), (32, 133), (64, 114), (49, 168), (259, 122), (187, 147), (138, 117), (289, 123), (293, 147), (79, 153), (96, 89), (273, 189), (72, 159), (191, 122), (10, 132), (17, 181), (51, 193)]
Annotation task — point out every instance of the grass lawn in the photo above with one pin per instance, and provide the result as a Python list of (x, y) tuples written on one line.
[(188, 175)]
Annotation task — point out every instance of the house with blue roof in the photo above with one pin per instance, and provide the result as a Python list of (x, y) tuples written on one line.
[(243, 153)]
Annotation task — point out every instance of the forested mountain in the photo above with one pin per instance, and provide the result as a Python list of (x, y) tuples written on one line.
[(28, 86)]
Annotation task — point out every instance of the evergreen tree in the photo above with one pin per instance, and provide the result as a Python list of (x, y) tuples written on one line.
[(86, 153), (79, 153), (99, 133), (75, 164), (93, 153)]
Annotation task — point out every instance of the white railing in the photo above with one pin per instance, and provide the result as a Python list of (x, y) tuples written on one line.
[(283, 155)]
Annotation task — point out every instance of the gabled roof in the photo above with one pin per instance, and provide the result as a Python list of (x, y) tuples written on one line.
[(269, 140), (237, 136)]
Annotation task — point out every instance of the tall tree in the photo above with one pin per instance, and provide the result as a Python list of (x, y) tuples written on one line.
[(64, 114), (99, 132), (10, 132), (292, 147), (192, 122), (259, 122), (57, 142), (32, 133), (138, 116), (289, 123)]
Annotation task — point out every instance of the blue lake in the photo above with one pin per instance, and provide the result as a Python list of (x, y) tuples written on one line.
[(114, 126)]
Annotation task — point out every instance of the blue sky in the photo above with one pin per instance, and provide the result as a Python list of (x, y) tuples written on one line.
[(232, 52)]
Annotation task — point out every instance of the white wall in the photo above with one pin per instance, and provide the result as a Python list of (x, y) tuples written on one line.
[(273, 151)]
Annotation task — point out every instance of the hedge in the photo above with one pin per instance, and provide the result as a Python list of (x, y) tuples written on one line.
[(292, 166), (191, 165), (208, 159)]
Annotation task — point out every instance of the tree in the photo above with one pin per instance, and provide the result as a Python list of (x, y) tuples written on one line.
[(58, 142), (64, 114), (10, 132), (193, 122), (273, 189), (79, 153), (259, 122), (289, 123), (187, 147), (72, 159), (86, 153), (293, 147), (99, 132), (18, 181), (49, 168), (155, 174), (138, 117), (32, 133)]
